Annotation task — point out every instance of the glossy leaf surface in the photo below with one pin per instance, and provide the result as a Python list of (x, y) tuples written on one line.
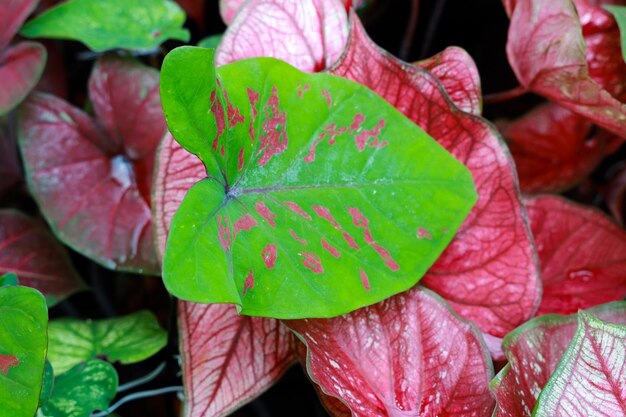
[(547, 52), (127, 339), (308, 34), (582, 254), (590, 378), (30, 251), (23, 341), (554, 148), (620, 16), (146, 23), (534, 351), (92, 178), (409, 355), (228, 359), (489, 272), (20, 69), (85, 388), (276, 221)]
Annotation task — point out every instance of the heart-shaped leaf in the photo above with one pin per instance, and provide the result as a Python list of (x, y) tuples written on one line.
[(310, 177), (316, 31), (86, 387), (552, 148), (489, 272), (129, 24), (30, 251), (457, 72), (92, 178), (409, 355), (582, 254), (23, 341), (127, 339), (20, 69), (547, 52), (620, 16), (228, 359), (534, 351), (590, 378)]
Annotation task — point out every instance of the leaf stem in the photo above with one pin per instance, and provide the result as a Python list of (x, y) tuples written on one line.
[(143, 379), (504, 95), (136, 396), (405, 48)]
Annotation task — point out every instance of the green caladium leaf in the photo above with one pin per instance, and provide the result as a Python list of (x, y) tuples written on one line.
[(102, 25), (23, 341), (8, 279), (320, 197), (212, 41), (128, 339), (86, 387), (619, 12)]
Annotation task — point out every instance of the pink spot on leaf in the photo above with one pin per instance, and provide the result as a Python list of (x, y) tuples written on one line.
[(253, 97), (302, 90), (312, 261), (365, 280), (297, 238), (297, 209), (7, 362), (274, 135), (330, 132), (326, 95), (224, 232), (249, 284), (246, 223), (269, 255), (324, 213), (423, 233), (357, 122), (218, 112), (362, 222), (234, 115), (330, 248), (265, 212), (361, 140), (241, 160)]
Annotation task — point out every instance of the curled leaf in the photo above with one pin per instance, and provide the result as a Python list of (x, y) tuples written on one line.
[(408, 355), (582, 254), (488, 273)]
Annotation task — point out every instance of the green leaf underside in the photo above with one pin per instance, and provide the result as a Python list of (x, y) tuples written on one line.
[(128, 339), (320, 198), (619, 12), (102, 25), (86, 387), (23, 341)]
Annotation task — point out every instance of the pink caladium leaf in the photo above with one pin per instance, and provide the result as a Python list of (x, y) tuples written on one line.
[(29, 250), (489, 272), (12, 14), (582, 254), (229, 8), (92, 178), (547, 52), (536, 349), (408, 355), (553, 147), (228, 359), (316, 31), (457, 72)]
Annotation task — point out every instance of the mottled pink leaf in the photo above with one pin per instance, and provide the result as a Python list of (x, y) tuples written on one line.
[(553, 147), (582, 255), (92, 178), (20, 68), (228, 359), (12, 14), (30, 251), (409, 355), (615, 196), (547, 52), (489, 272), (534, 351), (309, 34), (457, 72)]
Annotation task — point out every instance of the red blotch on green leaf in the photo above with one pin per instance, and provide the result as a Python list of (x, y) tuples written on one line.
[(582, 255)]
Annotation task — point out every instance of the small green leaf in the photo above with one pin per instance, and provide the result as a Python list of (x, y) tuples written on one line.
[(48, 383), (23, 340), (128, 339), (86, 387), (320, 198), (212, 41), (102, 25), (9, 279), (619, 12)]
